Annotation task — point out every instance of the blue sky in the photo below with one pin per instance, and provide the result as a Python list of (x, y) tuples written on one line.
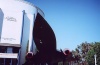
[(73, 21)]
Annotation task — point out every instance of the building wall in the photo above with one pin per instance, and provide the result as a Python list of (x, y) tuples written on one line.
[(25, 13), (27, 39), (1, 21), (12, 27)]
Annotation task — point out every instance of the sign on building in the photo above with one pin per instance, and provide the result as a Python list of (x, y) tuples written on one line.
[(12, 27)]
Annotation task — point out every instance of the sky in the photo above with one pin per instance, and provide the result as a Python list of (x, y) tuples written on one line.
[(73, 21)]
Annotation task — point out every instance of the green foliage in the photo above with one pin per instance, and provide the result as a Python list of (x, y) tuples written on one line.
[(86, 52), (90, 57), (97, 51)]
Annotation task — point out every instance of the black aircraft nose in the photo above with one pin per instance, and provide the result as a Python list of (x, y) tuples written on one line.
[(43, 35)]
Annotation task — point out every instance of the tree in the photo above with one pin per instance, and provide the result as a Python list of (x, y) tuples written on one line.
[(90, 57), (83, 50), (97, 51)]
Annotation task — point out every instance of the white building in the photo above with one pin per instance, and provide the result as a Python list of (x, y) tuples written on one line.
[(17, 19)]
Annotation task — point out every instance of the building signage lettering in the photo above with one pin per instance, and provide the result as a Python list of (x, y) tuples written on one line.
[(10, 39), (8, 18), (12, 27)]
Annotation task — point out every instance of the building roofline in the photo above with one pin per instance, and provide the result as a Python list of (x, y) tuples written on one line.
[(38, 9)]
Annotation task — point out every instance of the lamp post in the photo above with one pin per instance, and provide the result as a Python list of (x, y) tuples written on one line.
[(95, 59)]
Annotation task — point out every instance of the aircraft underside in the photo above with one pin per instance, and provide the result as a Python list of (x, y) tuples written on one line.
[(45, 41)]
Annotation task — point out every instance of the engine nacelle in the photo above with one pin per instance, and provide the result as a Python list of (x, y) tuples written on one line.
[(66, 52), (29, 55)]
